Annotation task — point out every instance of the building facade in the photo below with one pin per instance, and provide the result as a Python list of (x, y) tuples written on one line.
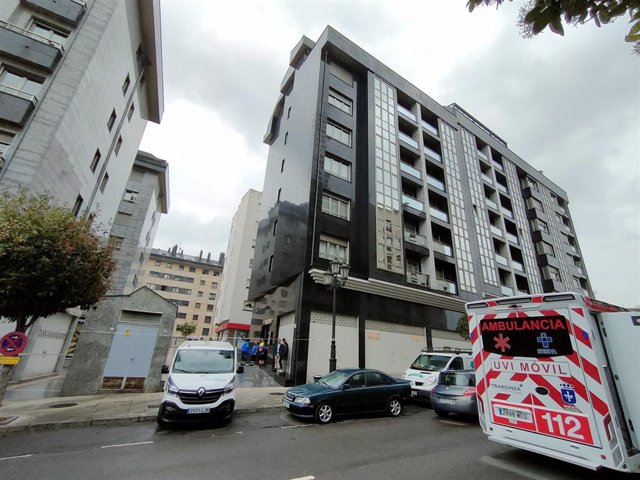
[(427, 205), (191, 283), (233, 310)]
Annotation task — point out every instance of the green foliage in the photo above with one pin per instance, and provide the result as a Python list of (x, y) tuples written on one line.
[(463, 326), (49, 260), (186, 328), (536, 15)]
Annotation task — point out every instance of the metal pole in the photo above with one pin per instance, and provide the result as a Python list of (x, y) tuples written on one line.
[(332, 358)]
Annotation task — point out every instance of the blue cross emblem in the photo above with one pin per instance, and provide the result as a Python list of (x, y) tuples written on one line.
[(569, 396), (544, 340)]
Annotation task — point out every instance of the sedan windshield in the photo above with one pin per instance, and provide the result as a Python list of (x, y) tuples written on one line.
[(203, 361), (430, 363), (334, 379)]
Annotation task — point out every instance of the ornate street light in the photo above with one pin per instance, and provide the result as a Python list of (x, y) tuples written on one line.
[(335, 278)]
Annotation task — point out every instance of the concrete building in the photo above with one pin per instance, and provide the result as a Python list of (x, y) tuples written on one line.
[(79, 80), (233, 310), (427, 205), (191, 283)]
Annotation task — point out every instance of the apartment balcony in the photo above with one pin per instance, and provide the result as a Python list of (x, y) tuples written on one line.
[(512, 238), (506, 291), (417, 278), (495, 230), (443, 248), (67, 11), (415, 238), (412, 202), (433, 154), (406, 112), (427, 126), (25, 46), (487, 178), (407, 139), (446, 286), (15, 105), (517, 266), (502, 188), (492, 204), (439, 214), (506, 212), (521, 292), (571, 248), (434, 182), (497, 165), (502, 260), (483, 156), (405, 167)]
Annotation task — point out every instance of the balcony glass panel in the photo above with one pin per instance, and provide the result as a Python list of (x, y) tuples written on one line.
[(502, 188), (512, 238), (502, 259), (406, 112), (443, 248), (418, 278), (506, 211), (446, 286), (497, 165), (405, 167), (506, 291), (517, 265), (412, 202), (433, 154), (430, 127), (496, 231), (522, 292), (483, 156), (407, 139), (487, 178), (439, 214), (415, 238), (491, 203), (434, 182)]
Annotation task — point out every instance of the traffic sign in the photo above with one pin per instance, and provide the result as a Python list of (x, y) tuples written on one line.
[(13, 343)]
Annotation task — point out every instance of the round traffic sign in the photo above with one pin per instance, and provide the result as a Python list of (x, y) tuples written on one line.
[(13, 343)]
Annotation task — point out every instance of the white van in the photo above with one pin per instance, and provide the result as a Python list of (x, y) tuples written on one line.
[(201, 384), (425, 369)]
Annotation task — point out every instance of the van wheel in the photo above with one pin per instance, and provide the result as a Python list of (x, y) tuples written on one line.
[(162, 423), (394, 408), (441, 413), (324, 413)]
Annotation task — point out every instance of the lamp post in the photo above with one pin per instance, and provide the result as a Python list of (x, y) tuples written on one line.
[(334, 279)]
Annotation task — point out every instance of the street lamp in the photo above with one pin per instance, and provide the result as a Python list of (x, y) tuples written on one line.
[(334, 279)]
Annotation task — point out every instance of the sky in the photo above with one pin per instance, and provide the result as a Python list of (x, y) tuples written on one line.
[(569, 106)]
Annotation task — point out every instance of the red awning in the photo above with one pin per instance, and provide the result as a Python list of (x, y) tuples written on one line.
[(232, 326)]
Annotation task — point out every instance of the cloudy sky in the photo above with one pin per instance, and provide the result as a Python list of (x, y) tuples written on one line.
[(569, 106)]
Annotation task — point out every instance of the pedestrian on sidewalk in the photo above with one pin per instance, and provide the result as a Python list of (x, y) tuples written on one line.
[(276, 357), (284, 356), (254, 354), (262, 353), (246, 347)]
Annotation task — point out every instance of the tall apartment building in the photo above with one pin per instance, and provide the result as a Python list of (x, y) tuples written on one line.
[(233, 311), (78, 82), (145, 198), (189, 282), (427, 205)]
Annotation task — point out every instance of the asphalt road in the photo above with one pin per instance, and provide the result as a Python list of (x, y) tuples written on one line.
[(276, 446)]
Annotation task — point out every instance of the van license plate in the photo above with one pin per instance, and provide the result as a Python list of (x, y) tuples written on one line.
[(198, 410), (514, 414)]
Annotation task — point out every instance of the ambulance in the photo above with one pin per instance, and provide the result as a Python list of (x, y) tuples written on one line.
[(559, 374)]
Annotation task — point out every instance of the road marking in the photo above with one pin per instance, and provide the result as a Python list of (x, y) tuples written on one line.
[(17, 456), (308, 477), (509, 467), (457, 424), (297, 426), (127, 444)]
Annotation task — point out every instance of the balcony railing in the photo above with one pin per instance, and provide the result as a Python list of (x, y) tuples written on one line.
[(405, 167), (433, 154), (406, 112), (429, 127), (506, 291), (502, 188), (418, 278), (512, 238), (407, 139), (502, 260), (17, 93), (496, 230), (497, 165), (507, 212), (573, 249), (443, 248), (434, 182), (491, 203), (27, 33), (487, 178), (439, 214), (412, 202), (483, 156), (518, 266), (415, 238), (446, 286)]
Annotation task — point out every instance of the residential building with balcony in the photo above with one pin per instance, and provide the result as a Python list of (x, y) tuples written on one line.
[(426, 204)]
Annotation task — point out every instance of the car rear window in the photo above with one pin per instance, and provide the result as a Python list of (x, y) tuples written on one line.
[(457, 379)]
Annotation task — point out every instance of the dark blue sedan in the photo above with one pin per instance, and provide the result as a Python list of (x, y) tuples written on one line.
[(348, 391)]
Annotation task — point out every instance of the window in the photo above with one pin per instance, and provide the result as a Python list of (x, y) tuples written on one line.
[(48, 32), (212, 296), (534, 203), (180, 267), (192, 269), (132, 109), (169, 265), (118, 145), (125, 85), (332, 248), (251, 263), (337, 168), (289, 113), (271, 263), (340, 101), (140, 57), (209, 308), (200, 294), (103, 184), (341, 73), (116, 242), (182, 315), (279, 192), (20, 82), (194, 317), (537, 224), (338, 133), (282, 166), (5, 141), (205, 331), (544, 248), (198, 305), (275, 228), (77, 205), (95, 161), (207, 319), (158, 263), (202, 282), (286, 137), (112, 119), (334, 206), (130, 196), (214, 284)]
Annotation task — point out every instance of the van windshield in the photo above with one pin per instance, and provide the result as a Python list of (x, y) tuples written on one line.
[(458, 379), (429, 362), (203, 361)]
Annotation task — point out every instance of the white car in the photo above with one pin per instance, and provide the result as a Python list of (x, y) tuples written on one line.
[(201, 385), (424, 371)]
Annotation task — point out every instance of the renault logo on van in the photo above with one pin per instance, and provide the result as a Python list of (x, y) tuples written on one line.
[(200, 392)]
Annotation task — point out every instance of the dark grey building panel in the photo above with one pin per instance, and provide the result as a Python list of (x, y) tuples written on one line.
[(29, 49), (67, 11), (15, 107)]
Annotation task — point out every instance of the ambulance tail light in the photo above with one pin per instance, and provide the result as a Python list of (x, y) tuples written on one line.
[(481, 403), (607, 427), (469, 392)]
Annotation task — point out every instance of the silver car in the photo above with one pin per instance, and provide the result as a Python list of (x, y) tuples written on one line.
[(455, 393)]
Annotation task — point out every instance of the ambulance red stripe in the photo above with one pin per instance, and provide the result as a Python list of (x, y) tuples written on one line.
[(591, 370)]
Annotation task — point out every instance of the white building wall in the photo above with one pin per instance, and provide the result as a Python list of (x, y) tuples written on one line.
[(392, 347), (320, 343)]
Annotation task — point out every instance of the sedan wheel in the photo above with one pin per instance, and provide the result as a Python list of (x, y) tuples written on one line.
[(395, 407), (324, 413)]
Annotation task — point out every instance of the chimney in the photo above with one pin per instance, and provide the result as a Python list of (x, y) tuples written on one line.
[(174, 250), (200, 256), (208, 257)]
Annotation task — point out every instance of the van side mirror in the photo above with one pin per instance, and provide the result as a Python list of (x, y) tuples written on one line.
[(165, 368), (240, 369)]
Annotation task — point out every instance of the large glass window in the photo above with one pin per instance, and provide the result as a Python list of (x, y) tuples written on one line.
[(338, 133), (338, 168), (334, 206), (332, 248), (49, 33), (340, 101)]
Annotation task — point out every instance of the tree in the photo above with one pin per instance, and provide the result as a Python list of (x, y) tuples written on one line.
[(463, 326), (536, 15), (49, 261), (186, 328)]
